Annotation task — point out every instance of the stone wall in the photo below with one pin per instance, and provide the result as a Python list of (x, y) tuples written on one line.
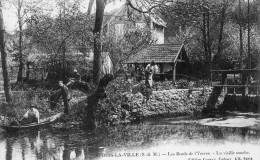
[(171, 102)]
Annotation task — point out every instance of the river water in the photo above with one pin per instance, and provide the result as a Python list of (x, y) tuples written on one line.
[(153, 139)]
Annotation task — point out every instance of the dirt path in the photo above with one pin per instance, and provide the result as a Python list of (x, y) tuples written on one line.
[(235, 119)]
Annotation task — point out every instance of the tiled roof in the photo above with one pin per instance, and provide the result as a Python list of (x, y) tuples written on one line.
[(159, 53)]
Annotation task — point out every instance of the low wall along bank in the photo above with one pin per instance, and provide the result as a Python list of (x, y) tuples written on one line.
[(168, 102)]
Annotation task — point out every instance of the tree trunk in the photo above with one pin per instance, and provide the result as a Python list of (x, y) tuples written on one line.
[(240, 36), (90, 110), (20, 72), (208, 45), (248, 35), (92, 102), (64, 63), (7, 87), (204, 33), (222, 22), (97, 40)]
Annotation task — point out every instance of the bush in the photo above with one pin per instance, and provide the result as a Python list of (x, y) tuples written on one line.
[(182, 83)]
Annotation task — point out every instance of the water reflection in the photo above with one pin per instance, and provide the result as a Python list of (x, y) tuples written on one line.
[(9, 148), (79, 145)]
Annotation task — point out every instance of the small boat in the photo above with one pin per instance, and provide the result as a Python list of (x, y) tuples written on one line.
[(43, 122)]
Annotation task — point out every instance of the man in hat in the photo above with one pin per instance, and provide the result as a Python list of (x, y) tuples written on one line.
[(76, 75)]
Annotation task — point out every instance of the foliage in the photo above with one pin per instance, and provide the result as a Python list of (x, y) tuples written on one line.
[(131, 42), (187, 21), (71, 29), (163, 85), (232, 49), (115, 107), (253, 15), (182, 83)]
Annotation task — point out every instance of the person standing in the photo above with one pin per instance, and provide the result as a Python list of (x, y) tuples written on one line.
[(156, 69), (65, 96), (139, 75), (149, 71)]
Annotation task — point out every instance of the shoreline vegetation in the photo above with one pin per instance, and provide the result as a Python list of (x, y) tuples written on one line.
[(123, 104)]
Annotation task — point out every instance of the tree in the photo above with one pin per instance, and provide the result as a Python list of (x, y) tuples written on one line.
[(20, 23), (7, 87), (131, 42), (203, 23), (92, 100), (100, 4), (70, 30), (22, 8)]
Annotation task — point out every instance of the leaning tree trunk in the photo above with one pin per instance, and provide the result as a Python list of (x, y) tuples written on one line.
[(7, 87), (97, 40), (92, 102)]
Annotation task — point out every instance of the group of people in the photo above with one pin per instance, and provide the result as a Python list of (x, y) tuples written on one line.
[(33, 115)]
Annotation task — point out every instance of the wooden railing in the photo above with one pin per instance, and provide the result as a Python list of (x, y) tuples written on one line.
[(245, 79)]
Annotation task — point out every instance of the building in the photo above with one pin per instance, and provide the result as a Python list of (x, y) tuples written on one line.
[(125, 19), (172, 59)]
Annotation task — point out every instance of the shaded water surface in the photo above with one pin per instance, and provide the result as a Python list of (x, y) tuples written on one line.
[(131, 141)]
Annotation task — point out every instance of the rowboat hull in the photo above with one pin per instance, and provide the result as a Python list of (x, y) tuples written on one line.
[(42, 123)]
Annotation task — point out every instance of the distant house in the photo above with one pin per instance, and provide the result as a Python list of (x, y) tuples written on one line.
[(172, 59), (125, 19)]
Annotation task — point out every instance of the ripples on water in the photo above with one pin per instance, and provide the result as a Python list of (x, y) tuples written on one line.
[(128, 140)]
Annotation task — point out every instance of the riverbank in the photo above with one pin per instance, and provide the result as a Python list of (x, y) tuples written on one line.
[(123, 104)]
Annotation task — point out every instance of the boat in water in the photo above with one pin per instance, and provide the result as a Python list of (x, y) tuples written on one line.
[(43, 122)]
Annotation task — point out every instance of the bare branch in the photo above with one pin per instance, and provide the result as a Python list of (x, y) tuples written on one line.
[(128, 2)]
